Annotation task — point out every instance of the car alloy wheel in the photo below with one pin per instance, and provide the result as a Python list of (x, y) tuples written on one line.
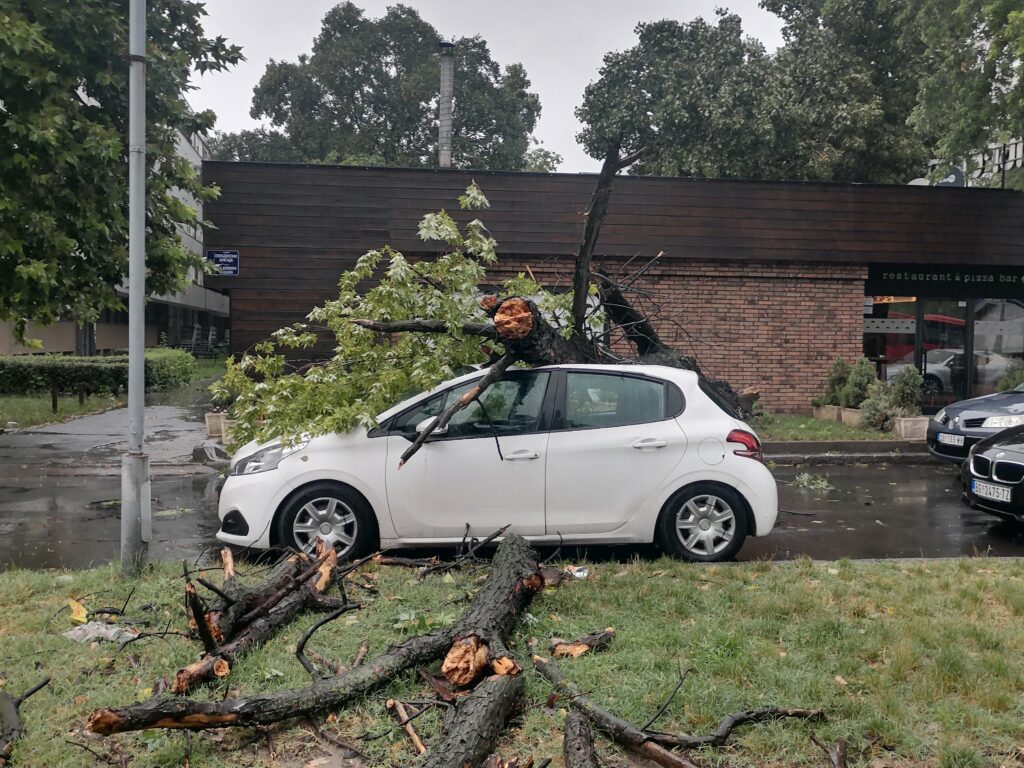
[(705, 525), (704, 522), (329, 519)]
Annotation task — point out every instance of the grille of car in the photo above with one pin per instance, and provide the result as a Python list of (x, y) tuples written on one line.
[(1008, 471), (981, 465), (973, 423)]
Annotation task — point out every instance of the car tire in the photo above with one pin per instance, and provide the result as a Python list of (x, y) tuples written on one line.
[(331, 511), (703, 523), (932, 385)]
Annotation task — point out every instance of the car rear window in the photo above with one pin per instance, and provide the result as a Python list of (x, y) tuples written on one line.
[(716, 397)]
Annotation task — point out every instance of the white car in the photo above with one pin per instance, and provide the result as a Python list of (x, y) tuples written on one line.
[(583, 454)]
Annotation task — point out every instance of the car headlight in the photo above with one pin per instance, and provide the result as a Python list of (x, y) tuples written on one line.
[(1002, 422), (941, 416), (265, 459)]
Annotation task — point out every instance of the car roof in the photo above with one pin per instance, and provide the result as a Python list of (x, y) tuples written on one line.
[(677, 375)]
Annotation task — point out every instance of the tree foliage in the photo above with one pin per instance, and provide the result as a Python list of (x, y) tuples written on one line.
[(369, 91), (275, 398), (862, 90), (972, 87), (63, 170)]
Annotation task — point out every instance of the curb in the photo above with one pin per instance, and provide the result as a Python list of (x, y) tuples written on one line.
[(848, 452)]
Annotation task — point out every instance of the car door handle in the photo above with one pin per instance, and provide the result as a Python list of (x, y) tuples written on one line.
[(522, 456), (649, 442)]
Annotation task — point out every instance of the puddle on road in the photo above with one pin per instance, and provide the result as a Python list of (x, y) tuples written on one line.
[(74, 522)]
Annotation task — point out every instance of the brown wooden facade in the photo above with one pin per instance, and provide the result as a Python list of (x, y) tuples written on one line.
[(298, 227)]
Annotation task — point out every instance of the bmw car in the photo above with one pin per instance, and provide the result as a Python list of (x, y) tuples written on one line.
[(993, 474), (580, 454), (957, 427)]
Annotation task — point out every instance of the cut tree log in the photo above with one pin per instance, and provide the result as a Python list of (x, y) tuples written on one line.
[(595, 641), (471, 732), (264, 620), (513, 580), (578, 742), (11, 727)]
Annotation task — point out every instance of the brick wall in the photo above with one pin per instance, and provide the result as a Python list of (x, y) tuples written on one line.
[(773, 325)]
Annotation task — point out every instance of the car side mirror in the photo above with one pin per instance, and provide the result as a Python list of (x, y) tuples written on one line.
[(425, 424)]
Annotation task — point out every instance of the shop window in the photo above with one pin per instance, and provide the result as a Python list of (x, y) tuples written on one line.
[(998, 341)]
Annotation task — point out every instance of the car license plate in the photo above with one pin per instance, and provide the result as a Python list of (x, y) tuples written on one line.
[(990, 491), (948, 439)]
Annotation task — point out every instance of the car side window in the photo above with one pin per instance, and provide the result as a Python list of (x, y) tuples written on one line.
[(511, 406), (608, 400), (406, 423)]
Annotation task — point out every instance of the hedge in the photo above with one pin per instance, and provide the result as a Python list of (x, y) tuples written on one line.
[(29, 374)]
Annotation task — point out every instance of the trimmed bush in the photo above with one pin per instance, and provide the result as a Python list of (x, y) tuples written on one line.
[(886, 402), (855, 391), (838, 375), (32, 374)]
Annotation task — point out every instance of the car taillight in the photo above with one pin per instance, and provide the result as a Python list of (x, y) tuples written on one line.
[(751, 445)]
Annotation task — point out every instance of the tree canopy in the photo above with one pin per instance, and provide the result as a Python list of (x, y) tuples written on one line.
[(63, 171), (368, 93), (861, 90)]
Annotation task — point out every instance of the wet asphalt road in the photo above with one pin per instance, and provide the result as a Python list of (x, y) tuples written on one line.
[(873, 512)]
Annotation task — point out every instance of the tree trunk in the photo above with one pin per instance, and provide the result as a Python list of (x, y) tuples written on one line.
[(472, 730), (578, 742), (527, 336), (514, 578)]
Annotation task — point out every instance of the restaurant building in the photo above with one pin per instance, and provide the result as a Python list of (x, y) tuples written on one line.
[(766, 283)]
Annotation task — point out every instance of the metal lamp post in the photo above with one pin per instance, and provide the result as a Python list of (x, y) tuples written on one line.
[(136, 519)]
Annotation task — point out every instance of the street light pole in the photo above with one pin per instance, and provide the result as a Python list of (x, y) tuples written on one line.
[(136, 520)]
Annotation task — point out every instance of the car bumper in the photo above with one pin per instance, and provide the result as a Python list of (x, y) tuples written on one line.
[(246, 509), (954, 453)]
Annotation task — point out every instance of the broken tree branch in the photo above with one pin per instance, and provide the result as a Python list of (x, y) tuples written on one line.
[(621, 731), (578, 742), (514, 579), (462, 559), (493, 374), (425, 326), (11, 726), (835, 752), (592, 643), (301, 645), (398, 708)]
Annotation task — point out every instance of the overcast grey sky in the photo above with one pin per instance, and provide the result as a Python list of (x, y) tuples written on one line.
[(560, 42)]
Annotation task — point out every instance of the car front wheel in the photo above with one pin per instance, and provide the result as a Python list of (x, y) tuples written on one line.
[(328, 511), (703, 523)]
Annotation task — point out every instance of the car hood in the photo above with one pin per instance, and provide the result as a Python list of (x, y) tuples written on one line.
[(998, 404), (1010, 440)]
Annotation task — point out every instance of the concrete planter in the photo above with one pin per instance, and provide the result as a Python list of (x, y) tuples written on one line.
[(911, 427), (215, 423), (852, 417), (828, 412)]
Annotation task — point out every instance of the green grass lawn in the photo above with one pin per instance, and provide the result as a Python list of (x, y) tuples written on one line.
[(916, 664), (785, 427), (33, 410)]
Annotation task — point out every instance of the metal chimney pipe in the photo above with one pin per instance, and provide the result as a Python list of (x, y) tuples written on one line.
[(444, 144)]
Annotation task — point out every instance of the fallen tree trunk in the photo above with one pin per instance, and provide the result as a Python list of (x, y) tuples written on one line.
[(514, 578), (591, 643), (472, 730), (10, 720)]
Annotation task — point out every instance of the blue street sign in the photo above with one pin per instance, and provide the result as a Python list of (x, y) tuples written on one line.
[(225, 261)]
